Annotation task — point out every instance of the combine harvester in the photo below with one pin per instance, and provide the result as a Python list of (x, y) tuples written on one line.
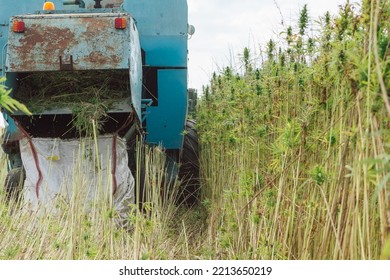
[(142, 47)]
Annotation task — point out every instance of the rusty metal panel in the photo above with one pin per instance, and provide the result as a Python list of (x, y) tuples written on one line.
[(56, 42)]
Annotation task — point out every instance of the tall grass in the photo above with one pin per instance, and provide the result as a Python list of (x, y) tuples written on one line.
[(84, 229), (295, 153)]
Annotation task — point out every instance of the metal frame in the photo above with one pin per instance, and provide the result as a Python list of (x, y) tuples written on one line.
[(162, 27)]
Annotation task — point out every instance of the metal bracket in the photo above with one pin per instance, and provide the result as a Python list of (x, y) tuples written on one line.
[(145, 103), (97, 4), (66, 66)]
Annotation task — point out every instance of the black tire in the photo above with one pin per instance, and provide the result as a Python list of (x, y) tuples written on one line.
[(189, 166), (14, 183)]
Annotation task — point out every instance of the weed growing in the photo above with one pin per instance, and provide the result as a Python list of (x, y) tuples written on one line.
[(294, 151)]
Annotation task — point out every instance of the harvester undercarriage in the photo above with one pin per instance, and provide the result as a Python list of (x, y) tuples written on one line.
[(96, 81)]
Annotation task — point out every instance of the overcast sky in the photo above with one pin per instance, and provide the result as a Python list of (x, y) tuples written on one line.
[(225, 27)]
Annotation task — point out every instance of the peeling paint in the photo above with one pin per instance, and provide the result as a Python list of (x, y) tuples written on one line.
[(91, 40)]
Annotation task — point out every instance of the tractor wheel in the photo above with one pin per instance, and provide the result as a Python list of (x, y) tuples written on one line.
[(14, 183), (189, 166)]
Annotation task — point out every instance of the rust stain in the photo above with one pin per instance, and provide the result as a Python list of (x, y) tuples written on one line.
[(41, 43), (47, 35), (99, 58), (116, 59), (110, 48), (95, 27)]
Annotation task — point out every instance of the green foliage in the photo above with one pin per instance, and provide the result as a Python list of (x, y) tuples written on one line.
[(318, 175), (303, 20), (386, 250), (7, 102), (294, 150)]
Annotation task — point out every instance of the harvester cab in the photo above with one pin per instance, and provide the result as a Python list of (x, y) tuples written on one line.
[(109, 71)]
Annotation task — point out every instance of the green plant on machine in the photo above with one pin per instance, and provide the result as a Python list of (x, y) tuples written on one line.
[(7, 102), (89, 95)]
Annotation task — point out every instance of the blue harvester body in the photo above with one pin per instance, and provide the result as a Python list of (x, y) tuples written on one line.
[(81, 36)]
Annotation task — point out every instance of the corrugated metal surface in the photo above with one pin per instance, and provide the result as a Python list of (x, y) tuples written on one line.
[(87, 41)]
